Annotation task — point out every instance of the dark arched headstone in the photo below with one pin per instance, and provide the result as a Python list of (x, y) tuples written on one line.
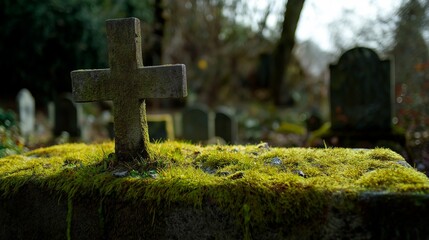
[(195, 124), (361, 92)]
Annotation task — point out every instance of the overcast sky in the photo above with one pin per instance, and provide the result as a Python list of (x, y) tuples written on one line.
[(317, 15)]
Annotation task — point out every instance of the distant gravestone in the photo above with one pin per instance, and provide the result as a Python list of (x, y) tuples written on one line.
[(225, 125), (195, 124), (361, 92), (361, 102), (66, 117), (161, 127), (26, 109), (127, 83)]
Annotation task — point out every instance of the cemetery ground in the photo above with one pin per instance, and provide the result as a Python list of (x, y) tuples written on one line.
[(256, 122), (133, 188), (271, 190), (190, 191)]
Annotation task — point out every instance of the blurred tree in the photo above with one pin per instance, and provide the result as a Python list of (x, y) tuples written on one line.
[(219, 45), (412, 78), (282, 54), (374, 32), (411, 64), (153, 52), (42, 41)]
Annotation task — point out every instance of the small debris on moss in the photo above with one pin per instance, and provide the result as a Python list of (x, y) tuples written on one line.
[(265, 179)]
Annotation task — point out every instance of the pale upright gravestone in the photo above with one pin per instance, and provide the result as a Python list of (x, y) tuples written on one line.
[(26, 108), (127, 83)]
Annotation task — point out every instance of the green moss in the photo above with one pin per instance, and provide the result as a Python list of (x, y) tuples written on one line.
[(255, 182)]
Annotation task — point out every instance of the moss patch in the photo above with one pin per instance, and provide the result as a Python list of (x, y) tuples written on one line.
[(257, 183)]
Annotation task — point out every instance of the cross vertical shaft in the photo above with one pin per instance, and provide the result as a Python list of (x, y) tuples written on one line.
[(125, 57)]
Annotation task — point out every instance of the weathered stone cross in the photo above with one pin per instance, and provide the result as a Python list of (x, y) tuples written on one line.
[(127, 83)]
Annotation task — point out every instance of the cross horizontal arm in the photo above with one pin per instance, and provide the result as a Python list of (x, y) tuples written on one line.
[(166, 81), (91, 85)]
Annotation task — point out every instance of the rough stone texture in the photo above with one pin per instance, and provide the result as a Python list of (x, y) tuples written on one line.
[(34, 213), (127, 83)]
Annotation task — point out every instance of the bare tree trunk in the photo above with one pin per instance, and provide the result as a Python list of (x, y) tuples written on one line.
[(283, 51), (158, 32), (153, 55)]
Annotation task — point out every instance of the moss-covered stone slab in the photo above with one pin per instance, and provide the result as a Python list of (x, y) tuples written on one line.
[(78, 191)]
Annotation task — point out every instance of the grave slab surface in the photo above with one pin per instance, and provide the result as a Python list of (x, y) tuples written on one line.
[(75, 191)]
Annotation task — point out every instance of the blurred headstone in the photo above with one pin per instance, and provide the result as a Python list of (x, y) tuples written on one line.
[(361, 104), (161, 127), (226, 125), (314, 121), (66, 117), (195, 124), (26, 109), (263, 78), (361, 92)]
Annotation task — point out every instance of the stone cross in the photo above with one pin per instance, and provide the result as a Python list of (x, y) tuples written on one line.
[(127, 83)]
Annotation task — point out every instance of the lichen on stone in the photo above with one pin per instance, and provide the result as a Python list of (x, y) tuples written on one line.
[(255, 182)]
